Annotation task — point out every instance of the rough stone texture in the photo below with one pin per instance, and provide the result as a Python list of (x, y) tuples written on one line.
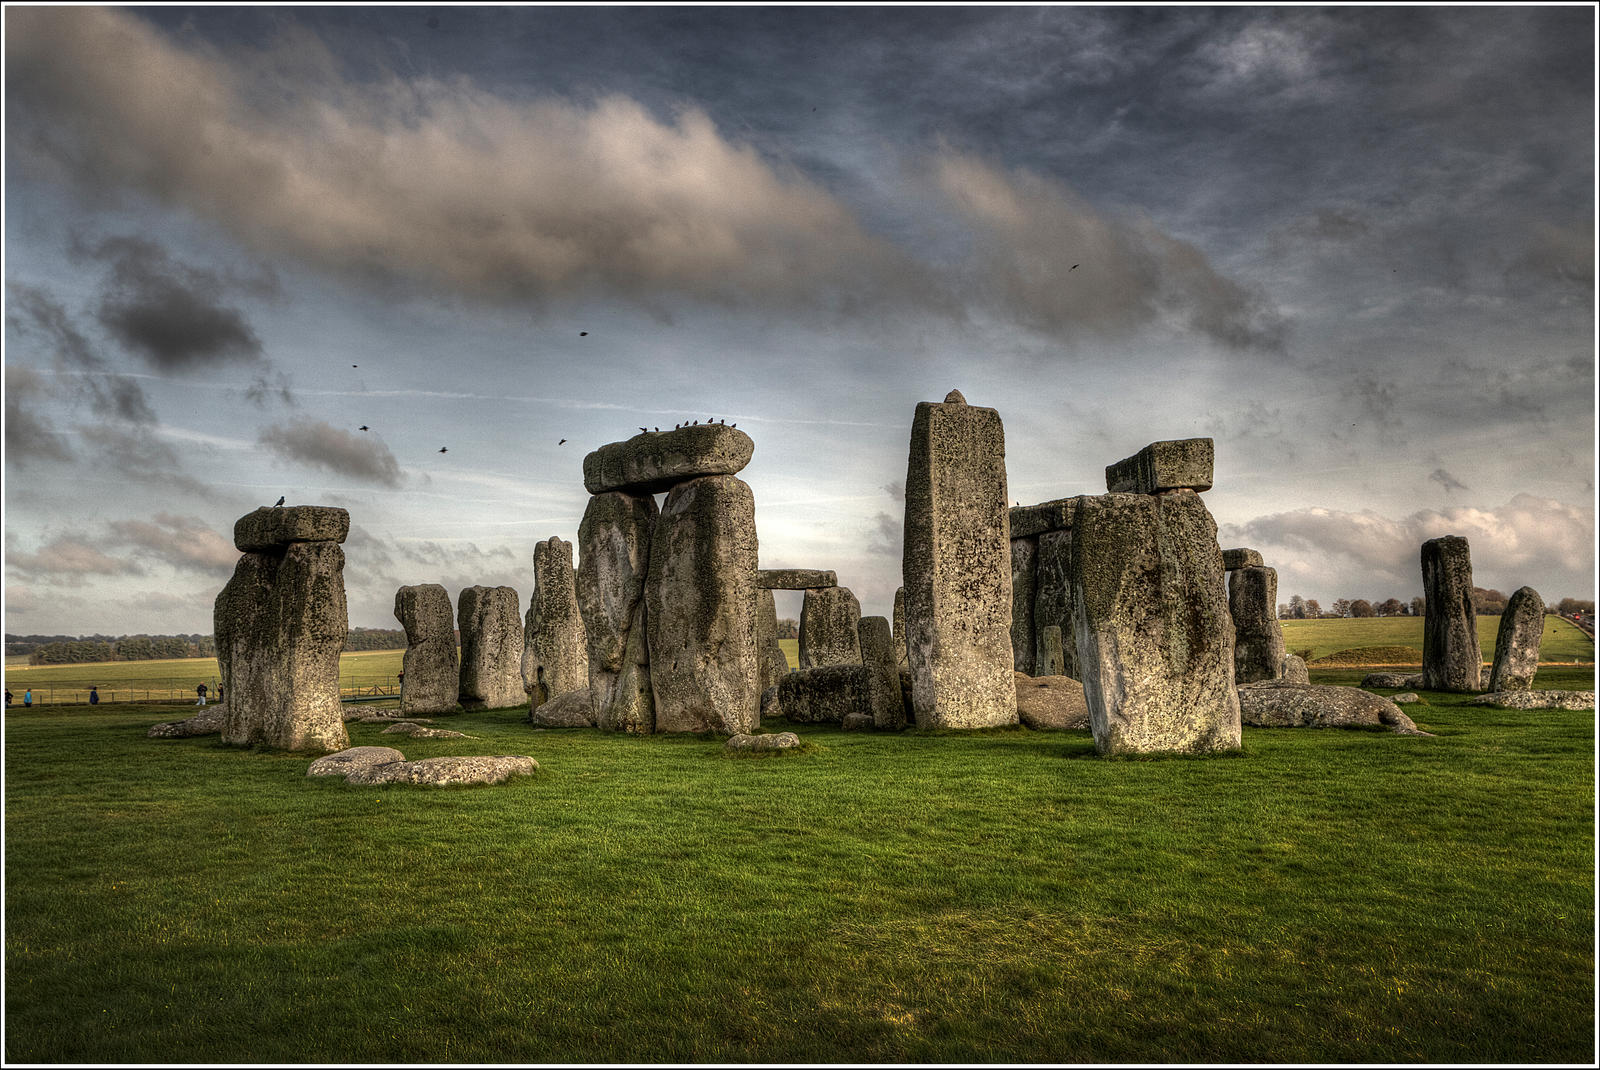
[(570, 710), (417, 731), (900, 628), (1179, 464), (385, 765), (883, 674), (1406, 699), (1451, 658), (1516, 645), (1052, 652), (273, 529), (795, 579), (1052, 605), (828, 694), (770, 706), (1258, 650), (1536, 700), (774, 663), (1273, 704), (1294, 671), (1392, 679), (432, 667), (705, 668), (957, 568), (353, 761), (1241, 558), (555, 653), (360, 716), (1031, 521), (613, 560), (491, 648), (765, 741), (1153, 634), (828, 620), (208, 722), (280, 624), (655, 461), (1051, 702), (1024, 556), (856, 722)]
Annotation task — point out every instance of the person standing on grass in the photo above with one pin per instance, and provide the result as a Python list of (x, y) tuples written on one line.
[(94, 696), (201, 691), (8, 698), (27, 698)]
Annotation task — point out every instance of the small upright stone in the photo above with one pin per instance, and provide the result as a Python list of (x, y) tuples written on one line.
[(828, 619), (884, 702), (1516, 645), (1241, 558), (795, 579), (1258, 649), (555, 656), (432, 671), (655, 461), (1294, 671), (1178, 464), (1451, 657), (1024, 554), (613, 560), (491, 648)]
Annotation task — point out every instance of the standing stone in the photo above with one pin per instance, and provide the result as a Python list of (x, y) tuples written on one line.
[(491, 648), (1294, 671), (432, 669), (1154, 639), (613, 560), (1258, 649), (1024, 553), (1516, 645), (1451, 657), (900, 627), (701, 617), (1052, 604), (280, 625), (1052, 652), (555, 655), (957, 568), (883, 674), (774, 663), (828, 619)]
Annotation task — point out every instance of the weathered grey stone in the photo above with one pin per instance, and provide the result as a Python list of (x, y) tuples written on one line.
[(354, 760), (1031, 521), (1293, 670), (704, 666), (356, 715), (1052, 652), (273, 529), (1392, 679), (856, 722), (431, 665), (826, 694), (957, 568), (1154, 638), (1241, 558), (1258, 650), (555, 654), (384, 765), (901, 657), (613, 561), (1516, 645), (659, 460), (280, 624), (1451, 657), (771, 708), (208, 722), (883, 674), (1405, 699), (1176, 464), (1024, 554), (774, 663), (1274, 704), (764, 741), (1536, 700), (491, 648), (1052, 606), (795, 579), (570, 710), (417, 731), (1051, 702), (828, 619)]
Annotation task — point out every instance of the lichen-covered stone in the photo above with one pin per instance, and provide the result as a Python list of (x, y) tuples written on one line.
[(770, 707), (280, 625), (824, 695), (431, 665), (417, 731), (273, 529), (1536, 700), (1451, 657), (354, 760), (764, 741), (1405, 699), (900, 628), (1051, 702), (1391, 679), (1024, 555), (1052, 652), (701, 609), (369, 766), (1153, 635), (208, 722), (856, 722), (795, 579), (1293, 670), (655, 461), (555, 654), (613, 560), (957, 569), (883, 674), (1031, 521), (1178, 464), (774, 663), (1274, 704), (1052, 606), (1241, 558), (828, 619), (1258, 650), (491, 648), (570, 710), (1516, 645)]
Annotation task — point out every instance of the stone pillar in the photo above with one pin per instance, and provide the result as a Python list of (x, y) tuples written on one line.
[(1052, 652), (491, 648), (701, 609), (1258, 649), (1024, 553), (1052, 602), (957, 568), (828, 619), (1451, 657), (432, 669), (774, 664), (613, 560), (883, 674), (280, 625), (900, 627), (555, 655), (1153, 635), (1516, 645)]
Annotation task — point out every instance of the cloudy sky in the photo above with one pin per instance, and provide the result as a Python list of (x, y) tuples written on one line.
[(1352, 245)]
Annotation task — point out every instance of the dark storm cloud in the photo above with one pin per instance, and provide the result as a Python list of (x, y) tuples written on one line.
[(39, 317), (29, 434), (321, 445)]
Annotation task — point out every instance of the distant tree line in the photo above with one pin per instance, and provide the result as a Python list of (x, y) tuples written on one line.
[(375, 639), (1486, 602), (788, 628), (72, 649)]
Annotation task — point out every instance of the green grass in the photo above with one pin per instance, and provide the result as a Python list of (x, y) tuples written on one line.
[(1561, 641), (117, 679), (1328, 896), (791, 650)]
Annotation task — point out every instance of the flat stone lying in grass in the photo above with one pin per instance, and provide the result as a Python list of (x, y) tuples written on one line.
[(571, 710), (1536, 700), (1406, 699), (385, 765), (417, 731), (1051, 702), (856, 722), (763, 741), (208, 722), (360, 716), (1274, 704), (1392, 679)]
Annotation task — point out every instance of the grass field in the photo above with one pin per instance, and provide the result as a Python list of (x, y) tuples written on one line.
[(170, 678), (1328, 896), (1561, 643)]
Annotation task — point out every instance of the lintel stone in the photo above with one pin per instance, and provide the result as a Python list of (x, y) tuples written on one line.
[(656, 461), (1175, 464), (1232, 560), (1028, 521), (273, 528), (795, 579)]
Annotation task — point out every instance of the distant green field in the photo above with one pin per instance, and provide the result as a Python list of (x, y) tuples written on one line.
[(170, 678), (791, 650), (1562, 642)]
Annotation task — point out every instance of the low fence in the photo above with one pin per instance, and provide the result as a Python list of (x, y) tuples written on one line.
[(352, 688)]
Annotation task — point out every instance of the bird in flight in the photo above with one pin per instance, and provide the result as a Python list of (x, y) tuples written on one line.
[(1074, 267), (444, 449), (563, 442), (355, 365), (363, 427), (646, 430), (277, 503), (583, 334)]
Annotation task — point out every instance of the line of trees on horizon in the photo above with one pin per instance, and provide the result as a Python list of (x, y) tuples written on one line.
[(1486, 602), (73, 649)]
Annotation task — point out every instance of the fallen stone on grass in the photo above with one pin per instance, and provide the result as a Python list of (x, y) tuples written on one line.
[(1406, 699), (763, 741), (857, 722), (571, 710), (385, 765), (208, 722), (368, 717), (1536, 700), (1274, 704), (1051, 702), (354, 760), (417, 731), (1392, 679)]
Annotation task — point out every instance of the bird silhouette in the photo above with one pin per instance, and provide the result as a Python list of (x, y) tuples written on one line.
[(563, 442), (658, 429), (1074, 267), (583, 334), (355, 365), (444, 449), (697, 423), (363, 427), (722, 421), (277, 503), (646, 430), (733, 425)]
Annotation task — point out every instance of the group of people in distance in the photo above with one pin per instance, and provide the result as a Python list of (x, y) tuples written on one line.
[(94, 696)]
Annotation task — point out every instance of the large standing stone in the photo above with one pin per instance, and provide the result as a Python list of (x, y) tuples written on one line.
[(827, 694), (957, 568), (491, 648), (1024, 554), (280, 625), (1153, 635), (659, 460), (1181, 464), (1052, 605), (828, 619), (701, 617), (774, 663), (900, 627), (884, 702), (795, 579), (431, 666), (1451, 657), (1516, 645), (613, 560), (555, 654), (1258, 649)]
